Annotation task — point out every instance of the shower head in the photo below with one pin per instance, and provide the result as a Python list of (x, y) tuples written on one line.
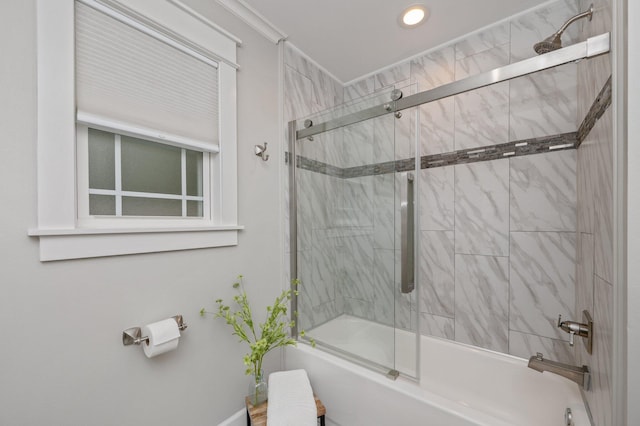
[(554, 41)]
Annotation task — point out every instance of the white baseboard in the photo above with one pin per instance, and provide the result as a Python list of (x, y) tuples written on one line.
[(238, 419)]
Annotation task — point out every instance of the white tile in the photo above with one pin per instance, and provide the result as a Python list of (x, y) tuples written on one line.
[(481, 307), (434, 325), (526, 345), (542, 278), (436, 202), (483, 41), (436, 273), (543, 192), (544, 103), (392, 76), (482, 208)]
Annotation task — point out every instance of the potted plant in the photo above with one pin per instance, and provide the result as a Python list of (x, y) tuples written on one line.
[(271, 334)]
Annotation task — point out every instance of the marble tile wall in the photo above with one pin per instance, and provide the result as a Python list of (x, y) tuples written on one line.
[(497, 238), (594, 267), (308, 90), (497, 244)]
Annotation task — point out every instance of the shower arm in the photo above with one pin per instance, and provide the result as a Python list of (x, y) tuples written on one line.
[(588, 13)]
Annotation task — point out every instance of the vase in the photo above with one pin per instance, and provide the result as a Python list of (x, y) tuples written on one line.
[(258, 390)]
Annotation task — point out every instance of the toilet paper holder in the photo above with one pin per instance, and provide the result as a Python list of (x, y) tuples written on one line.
[(133, 335)]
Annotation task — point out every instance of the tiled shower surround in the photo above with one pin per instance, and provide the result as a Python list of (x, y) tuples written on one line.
[(499, 240)]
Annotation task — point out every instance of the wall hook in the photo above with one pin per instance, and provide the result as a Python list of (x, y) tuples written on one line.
[(260, 151)]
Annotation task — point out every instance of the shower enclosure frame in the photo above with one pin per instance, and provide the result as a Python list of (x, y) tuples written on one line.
[(591, 47)]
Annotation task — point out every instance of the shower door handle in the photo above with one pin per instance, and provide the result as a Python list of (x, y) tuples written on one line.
[(407, 235)]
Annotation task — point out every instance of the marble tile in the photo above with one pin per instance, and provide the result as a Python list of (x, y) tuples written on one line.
[(326, 91), (356, 208), (600, 395), (358, 308), (482, 301), (434, 69), (437, 127), (359, 89), (483, 41), (357, 271), (539, 24), (542, 272), (602, 173), (297, 95), (584, 274), (383, 286), (482, 208), (525, 345), (482, 115), (384, 139), (384, 211), (586, 158), (358, 144), (436, 273), (324, 268), (392, 76), (436, 202), (544, 103), (434, 325), (543, 192)]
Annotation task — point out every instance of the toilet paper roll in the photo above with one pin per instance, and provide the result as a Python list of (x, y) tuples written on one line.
[(163, 337)]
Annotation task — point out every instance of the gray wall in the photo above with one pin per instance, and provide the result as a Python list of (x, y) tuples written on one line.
[(62, 361)]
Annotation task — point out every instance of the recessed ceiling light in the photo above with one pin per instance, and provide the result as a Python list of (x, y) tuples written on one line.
[(413, 16)]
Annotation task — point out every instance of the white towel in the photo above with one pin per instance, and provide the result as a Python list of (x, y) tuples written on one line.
[(291, 401)]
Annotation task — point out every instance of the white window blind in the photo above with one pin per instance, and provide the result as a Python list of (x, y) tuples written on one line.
[(129, 79)]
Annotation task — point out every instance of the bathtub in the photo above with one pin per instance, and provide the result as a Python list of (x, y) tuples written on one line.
[(459, 384)]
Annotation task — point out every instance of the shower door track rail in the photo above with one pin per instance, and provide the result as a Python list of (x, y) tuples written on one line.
[(593, 46)]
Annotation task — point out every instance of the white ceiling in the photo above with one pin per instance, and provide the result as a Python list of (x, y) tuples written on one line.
[(351, 38)]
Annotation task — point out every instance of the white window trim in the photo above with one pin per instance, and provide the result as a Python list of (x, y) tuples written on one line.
[(62, 235)]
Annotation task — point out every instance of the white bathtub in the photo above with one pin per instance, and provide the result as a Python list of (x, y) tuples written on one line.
[(459, 385)]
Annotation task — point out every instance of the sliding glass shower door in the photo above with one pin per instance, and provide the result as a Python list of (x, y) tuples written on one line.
[(353, 246)]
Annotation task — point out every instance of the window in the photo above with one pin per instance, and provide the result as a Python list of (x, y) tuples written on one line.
[(135, 177), (146, 161)]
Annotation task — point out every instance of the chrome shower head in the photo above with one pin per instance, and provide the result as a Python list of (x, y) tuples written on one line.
[(554, 41), (549, 44)]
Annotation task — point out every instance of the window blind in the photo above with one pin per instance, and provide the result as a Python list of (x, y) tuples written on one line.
[(125, 75)]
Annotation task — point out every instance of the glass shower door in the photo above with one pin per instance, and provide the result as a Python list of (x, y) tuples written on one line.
[(349, 239)]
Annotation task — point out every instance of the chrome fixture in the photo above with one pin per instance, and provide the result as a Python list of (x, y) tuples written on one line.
[(133, 335), (308, 123), (407, 245), (554, 41), (260, 151), (393, 374), (580, 329), (580, 375), (568, 417), (398, 114), (396, 94)]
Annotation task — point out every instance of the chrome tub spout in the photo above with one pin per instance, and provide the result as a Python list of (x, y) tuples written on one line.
[(580, 375)]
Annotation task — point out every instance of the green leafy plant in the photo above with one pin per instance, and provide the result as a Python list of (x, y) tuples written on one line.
[(262, 338)]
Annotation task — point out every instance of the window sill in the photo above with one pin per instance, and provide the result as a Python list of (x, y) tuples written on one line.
[(80, 243)]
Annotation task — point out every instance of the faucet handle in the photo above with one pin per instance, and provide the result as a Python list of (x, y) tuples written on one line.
[(539, 356)]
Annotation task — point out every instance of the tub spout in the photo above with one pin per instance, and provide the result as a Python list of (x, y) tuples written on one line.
[(580, 375)]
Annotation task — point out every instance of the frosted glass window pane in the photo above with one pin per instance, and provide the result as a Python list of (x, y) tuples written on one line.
[(101, 160), (102, 205), (194, 208), (194, 173), (134, 206), (150, 167)]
